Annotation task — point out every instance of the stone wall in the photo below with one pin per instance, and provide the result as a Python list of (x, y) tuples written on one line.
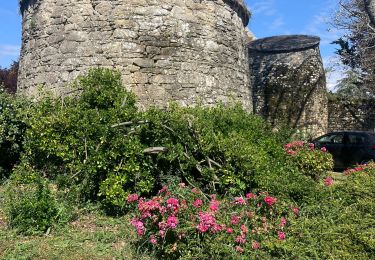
[(351, 115), (288, 81), (167, 50)]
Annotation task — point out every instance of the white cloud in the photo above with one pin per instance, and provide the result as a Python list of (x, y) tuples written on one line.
[(277, 23), (9, 50), (265, 7), (320, 24)]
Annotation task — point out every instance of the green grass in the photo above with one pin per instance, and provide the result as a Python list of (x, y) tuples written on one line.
[(91, 236)]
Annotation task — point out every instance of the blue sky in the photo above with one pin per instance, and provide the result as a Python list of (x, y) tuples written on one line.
[(270, 17)]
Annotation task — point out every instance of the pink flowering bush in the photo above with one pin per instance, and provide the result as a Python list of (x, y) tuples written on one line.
[(310, 161), (360, 168), (181, 221)]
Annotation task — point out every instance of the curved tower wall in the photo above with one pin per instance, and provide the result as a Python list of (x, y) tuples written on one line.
[(167, 50), (289, 84)]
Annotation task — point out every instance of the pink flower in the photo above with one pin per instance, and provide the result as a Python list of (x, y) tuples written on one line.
[(153, 240), (182, 185), (139, 226), (214, 205), (197, 203), (244, 229), (162, 225), (162, 233), (172, 222), (255, 245), (281, 235), (163, 189), (328, 181), (173, 204), (296, 211), (235, 219), (270, 200), (239, 249), (132, 197), (206, 221), (251, 196), (283, 222), (229, 230), (311, 146), (295, 144), (291, 152), (146, 214), (184, 204), (216, 228), (195, 190), (145, 206), (323, 149), (239, 201), (241, 239), (162, 210)]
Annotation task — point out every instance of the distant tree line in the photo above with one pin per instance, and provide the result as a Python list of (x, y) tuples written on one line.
[(8, 77)]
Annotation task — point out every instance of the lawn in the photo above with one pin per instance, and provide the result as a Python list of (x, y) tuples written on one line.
[(91, 236)]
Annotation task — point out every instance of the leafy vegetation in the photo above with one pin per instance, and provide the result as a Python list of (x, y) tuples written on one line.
[(80, 154), (12, 129), (100, 147), (183, 222)]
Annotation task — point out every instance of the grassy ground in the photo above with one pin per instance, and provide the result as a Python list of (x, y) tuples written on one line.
[(92, 236)]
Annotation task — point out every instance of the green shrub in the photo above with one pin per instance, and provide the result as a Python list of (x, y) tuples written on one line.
[(311, 162), (340, 224), (12, 129), (222, 149), (99, 146), (30, 205), (71, 138)]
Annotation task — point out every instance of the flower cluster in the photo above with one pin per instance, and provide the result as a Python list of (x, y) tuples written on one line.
[(172, 218), (310, 161), (358, 168), (294, 147)]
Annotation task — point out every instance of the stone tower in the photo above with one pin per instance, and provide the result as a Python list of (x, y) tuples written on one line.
[(167, 50), (289, 84)]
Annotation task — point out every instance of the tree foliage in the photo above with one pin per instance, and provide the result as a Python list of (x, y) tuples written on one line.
[(357, 46), (8, 77)]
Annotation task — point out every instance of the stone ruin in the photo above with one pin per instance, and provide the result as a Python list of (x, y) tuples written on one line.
[(189, 51), (288, 82)]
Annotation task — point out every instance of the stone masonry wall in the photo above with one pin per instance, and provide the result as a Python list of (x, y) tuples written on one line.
[(167, 50), (355, 115), (288, 81)]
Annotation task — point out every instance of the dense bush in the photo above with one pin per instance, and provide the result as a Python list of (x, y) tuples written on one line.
[(72, 138), (183, 222), (97, 143), (30, 205), (311, 162), (340, 225), (12, 129)]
